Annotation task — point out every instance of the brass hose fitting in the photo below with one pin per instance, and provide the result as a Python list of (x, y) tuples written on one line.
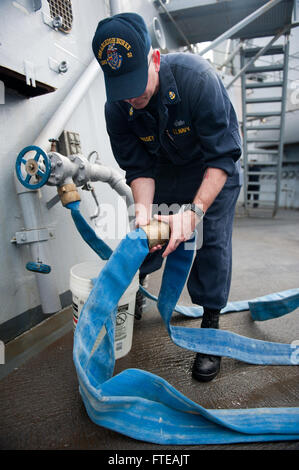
[(68, 193), (158, 233)]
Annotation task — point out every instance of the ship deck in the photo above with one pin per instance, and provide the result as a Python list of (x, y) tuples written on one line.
[(40, 404)]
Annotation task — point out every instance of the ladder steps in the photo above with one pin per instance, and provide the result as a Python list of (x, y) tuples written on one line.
[(264, 84), (258, 139), (263, 197), (259, 192), (264, 114), (273, 99), (257, 151), (260, 173), (251, 52), (265, 68), (263, 128), (262, 163), (260, 203)]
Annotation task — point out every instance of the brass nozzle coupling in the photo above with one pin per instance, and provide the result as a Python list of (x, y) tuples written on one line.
[(158, 233), (68, 193)]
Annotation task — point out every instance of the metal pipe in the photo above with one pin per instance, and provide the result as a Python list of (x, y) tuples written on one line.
[(227, 50), (116, 182), (237, 27), (114, 7), (40, 250), (78, 170), (29, 200), (244, 152), (109, 175), (282, 122), (46, 283), (57, 122), (113, 178)]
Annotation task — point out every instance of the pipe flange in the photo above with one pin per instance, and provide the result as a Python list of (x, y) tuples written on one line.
[(68, 193), (158, 233), (83, 169), (57, 175)]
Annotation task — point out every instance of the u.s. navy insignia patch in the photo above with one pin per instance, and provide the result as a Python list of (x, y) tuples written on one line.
[(171, 95), (114, 59)]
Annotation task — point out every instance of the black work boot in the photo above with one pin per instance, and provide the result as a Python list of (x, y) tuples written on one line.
[(205, 366), (140, 298)]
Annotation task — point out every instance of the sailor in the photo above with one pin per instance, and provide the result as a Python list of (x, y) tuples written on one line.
[(174, 131)]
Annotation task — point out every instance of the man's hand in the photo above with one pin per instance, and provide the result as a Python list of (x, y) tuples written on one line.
[(142, 218), (182, 226), (143, 190)]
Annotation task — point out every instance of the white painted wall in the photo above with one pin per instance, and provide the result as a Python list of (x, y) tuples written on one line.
[(24, 36)]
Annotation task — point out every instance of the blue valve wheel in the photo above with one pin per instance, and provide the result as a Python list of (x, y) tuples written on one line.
[(38, 167), (38, 267)]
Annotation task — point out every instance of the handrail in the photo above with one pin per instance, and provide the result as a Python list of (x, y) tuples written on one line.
[(237, 27)]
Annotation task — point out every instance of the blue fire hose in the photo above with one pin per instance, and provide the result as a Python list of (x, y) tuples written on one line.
[(144, 406)]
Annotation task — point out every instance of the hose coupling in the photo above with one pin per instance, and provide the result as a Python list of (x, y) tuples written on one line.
[(68, 193), (158, 233)]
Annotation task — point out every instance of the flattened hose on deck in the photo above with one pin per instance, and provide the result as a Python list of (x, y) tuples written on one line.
[(144, 406)]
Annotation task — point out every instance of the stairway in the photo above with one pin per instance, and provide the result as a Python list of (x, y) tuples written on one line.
[(263, 108)]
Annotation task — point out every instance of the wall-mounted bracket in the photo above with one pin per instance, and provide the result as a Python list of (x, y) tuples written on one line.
[(30, 73), (32, 236), (58, 67), (49, 21)]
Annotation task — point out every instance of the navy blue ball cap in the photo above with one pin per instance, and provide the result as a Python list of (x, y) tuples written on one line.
[(121, 45)]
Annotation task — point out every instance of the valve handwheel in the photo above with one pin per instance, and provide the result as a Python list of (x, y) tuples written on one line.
[(34, 172), (38, 267)]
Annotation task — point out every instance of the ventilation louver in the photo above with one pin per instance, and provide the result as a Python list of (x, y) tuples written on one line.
[(62, 8)]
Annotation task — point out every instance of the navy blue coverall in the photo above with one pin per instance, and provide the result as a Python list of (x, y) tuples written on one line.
[(189, 126)]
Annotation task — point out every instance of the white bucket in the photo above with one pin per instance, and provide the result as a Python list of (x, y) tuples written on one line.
[(81, 276)]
